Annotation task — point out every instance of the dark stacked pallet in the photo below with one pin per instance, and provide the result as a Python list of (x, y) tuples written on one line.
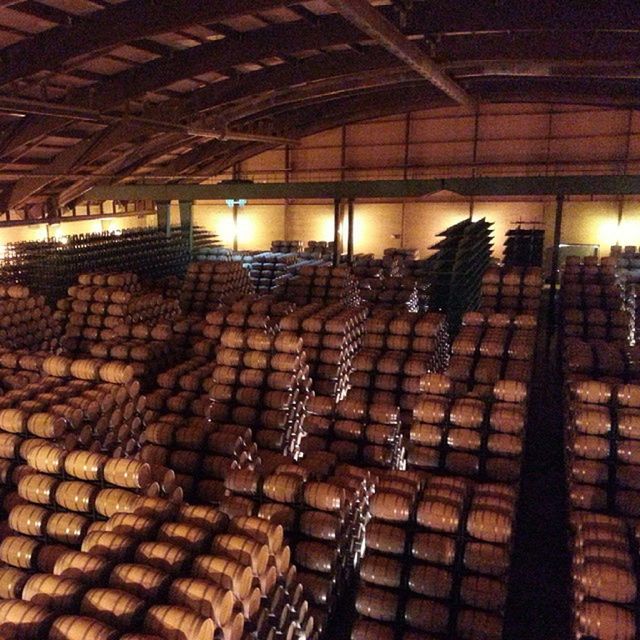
[(461, 257), (524, 247)]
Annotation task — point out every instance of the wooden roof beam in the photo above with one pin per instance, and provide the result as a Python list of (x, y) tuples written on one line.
[(368, 19), (117, 25)]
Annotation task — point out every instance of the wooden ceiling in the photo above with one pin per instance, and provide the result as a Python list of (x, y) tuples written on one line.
[(177, 90)]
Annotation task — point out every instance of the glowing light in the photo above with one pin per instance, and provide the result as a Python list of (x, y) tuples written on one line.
[(241, 202)]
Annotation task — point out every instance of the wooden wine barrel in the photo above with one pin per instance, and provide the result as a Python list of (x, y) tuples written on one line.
[(390, 506), (19, 551), (71, 627), (204, 598), (113, 607), (147, 582), (224, 572), (24, 620), (378, 604)]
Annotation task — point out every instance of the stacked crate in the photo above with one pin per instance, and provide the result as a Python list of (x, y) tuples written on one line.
[(320, 283), (511, 290), (331, 336), (605, 577), (208, 283), (437, 561), (144, 565), (261, 381), (603, 447), (26, 320), (323, 516), (593, 301), (468, 436), (398, 348), (489, 348)]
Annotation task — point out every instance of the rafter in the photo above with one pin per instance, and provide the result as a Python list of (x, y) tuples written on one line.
[(374, 24), (114, 26)]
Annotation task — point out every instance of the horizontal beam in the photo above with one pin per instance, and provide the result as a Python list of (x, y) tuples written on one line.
[(486, 186)]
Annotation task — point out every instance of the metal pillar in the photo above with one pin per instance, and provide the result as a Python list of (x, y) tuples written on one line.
[(337, 234), (555, 258), (350, 214), (186, 220), (163, 210)]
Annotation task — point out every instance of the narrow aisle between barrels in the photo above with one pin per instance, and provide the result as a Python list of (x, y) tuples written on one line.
[(538, 607)]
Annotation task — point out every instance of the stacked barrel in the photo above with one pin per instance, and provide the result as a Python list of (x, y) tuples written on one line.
[(490, 348), (268, 269), (150, 567), (323, 516), (398, 348), (511, 290), (255, 312), (610, 362), (604, 447), (605, 577), (25, 320), (76, 404), (287, 246), (390, 292), (466, 435), (99, 303), (321, 283), (593, 301), (365, 432), (331, 335), (199, 452), (437, 561), (207, 283), (261, 381)]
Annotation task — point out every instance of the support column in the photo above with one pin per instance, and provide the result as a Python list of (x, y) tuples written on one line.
[(186, 220), (337, 234), (351, 215), (163, 210), (236, 208), (555, 257)]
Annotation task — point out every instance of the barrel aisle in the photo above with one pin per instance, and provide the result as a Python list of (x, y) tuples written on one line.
[(538, 606)]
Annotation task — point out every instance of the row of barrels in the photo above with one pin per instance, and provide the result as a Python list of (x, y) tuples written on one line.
[(398, 348), (604, 577), (199, 452), (511, 290), (26, 321), (261, 379), (267, 269), (614, 363), (465, 435), (356, 430), (489, 348), (163, 569), (320, 283), (208, 283), (385, 291), (436, 561), (323, 516), (603, 447), (331, 336)]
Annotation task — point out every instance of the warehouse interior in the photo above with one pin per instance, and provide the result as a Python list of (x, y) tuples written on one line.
[(319, 320)]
